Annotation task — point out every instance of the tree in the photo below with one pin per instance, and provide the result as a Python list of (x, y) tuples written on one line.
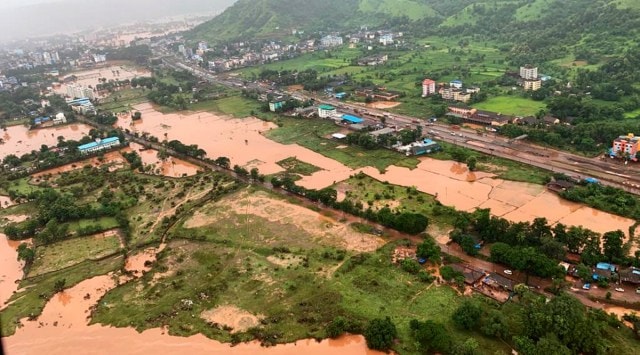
[(136, 116), (468, 347), (223, 162), (432, 337), (613, 244), (380, 334), (429, 250), (471, 163), (468, 314), (26, 254), (410, 265)]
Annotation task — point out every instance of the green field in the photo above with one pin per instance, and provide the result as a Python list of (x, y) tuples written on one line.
[(511, 105), (311, 134), (295, 166), (236, 106), (66, 253), (375, 194), (123, 100)]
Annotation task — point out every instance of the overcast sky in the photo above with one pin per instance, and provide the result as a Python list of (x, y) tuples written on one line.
[(5, 4), (29, 18)]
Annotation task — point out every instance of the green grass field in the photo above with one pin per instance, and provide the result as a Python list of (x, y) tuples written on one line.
[(105, 223), (123, 100), (295, 166), (511, 105), (63, 254), (375, 194), (236, 106)]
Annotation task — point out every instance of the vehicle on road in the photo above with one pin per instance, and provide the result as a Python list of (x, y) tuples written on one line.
[(619, 289), (508, 272), (586, 286), (453, 133)]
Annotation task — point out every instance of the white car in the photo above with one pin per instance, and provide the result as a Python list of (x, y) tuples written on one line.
[(508, 272), (619, 289)]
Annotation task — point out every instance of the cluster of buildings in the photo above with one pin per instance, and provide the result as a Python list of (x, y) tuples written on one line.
[(452, 91), (625, 147), (529, 79), (47, 121), (82, 106), (76, 91)]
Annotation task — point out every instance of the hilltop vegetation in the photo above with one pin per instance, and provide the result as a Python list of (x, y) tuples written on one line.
[(534, 30)]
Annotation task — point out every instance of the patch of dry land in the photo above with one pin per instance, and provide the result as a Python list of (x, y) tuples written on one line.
[(233, 317), (323, 229)]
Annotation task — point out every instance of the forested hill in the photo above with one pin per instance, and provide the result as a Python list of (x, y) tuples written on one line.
[(597, 25)]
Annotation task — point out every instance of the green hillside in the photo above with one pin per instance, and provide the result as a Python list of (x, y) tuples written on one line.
[(533, 30)]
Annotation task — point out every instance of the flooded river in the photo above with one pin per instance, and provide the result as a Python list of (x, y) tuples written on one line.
[(10, 269)]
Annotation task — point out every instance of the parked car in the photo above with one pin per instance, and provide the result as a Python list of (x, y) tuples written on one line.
[(586, 286), (508, 272), (619, 289), (638, 290)]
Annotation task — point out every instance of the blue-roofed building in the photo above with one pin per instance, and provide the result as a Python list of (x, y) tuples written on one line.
[(40, 120), (352, 119), (606, 266), (99, 144), (630, 275), (340, 95)]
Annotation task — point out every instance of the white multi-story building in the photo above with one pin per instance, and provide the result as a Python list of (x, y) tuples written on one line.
[(529, 72), (79, 91), (331, 41)]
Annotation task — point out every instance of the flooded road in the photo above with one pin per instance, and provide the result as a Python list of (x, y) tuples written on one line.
[(10, 269), (91, 78), (19, 140)]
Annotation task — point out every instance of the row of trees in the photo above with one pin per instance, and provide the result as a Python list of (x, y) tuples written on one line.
[(407, 222), (536, 247)]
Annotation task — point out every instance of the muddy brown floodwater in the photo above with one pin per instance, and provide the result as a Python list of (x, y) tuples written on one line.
[(242, 141), (171, 167), (10, 269), (19, 140)]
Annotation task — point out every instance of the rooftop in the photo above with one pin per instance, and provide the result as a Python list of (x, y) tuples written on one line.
[(352, 119), (101, 142), (326, 107)]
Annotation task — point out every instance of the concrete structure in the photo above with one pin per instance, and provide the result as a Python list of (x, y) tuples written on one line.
[(99, 144), (625, 147), (59, 119), (41, 120), (532, 85), (326, 111), (352, 119), (79, 91), (373, 60), (428, 87), (529, 72), (331, 41), (276, 105), (386, 39), (456, 84)]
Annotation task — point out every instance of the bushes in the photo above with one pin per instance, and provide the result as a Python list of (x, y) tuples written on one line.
[(380, 334), (467, 316)]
